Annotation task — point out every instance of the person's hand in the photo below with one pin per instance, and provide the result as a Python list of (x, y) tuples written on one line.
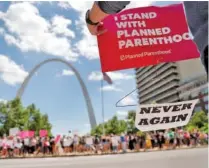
[(96, 29)]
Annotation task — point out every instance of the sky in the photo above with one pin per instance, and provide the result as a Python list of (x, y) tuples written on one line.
[(31, 32)]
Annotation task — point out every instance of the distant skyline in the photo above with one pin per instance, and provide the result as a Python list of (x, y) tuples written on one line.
[(31, 32)]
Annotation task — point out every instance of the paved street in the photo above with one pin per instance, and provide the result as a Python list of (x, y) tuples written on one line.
[(192, 158)]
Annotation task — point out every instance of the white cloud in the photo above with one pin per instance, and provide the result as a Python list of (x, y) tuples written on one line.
[(32, 2), (60, 26), (111, 88), (122, 113), (90, 52), (10, 72), (3, 101), (11, 40), (120, 76), (29, 31), (97, 76), (80, 6), (128, 101), (1, 30), (66, 72), (64, 5), (106, 119)]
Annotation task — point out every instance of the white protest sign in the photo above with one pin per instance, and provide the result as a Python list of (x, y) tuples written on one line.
[(89, 141), (14, 131), (10, 143), (164, 116)]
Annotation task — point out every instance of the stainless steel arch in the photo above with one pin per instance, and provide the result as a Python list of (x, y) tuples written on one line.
[(91, 115)]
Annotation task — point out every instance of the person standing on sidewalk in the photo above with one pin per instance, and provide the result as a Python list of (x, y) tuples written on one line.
[(26, 145), (115, 143), (123, 142)]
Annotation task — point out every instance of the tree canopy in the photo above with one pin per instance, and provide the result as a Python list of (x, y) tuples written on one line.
[(13, 114), (112, 126), (198, 121), (116, 126)]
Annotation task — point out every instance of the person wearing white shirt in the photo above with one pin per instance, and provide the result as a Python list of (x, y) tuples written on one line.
[(89, 143), (115, 143), (18, 147), (75, 143), (10, 145), (33, 143), (26, 145), (123, 142), (65, 144)]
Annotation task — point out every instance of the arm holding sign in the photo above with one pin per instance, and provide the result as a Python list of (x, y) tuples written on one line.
[(99, 11), (197, 17)]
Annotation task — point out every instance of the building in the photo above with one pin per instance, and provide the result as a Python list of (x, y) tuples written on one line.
[(160, 83), (195, 88)]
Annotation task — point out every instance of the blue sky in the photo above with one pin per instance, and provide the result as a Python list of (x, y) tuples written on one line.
[(31, 32)]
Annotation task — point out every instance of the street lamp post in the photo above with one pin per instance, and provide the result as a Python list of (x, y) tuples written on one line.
[(102, 105)]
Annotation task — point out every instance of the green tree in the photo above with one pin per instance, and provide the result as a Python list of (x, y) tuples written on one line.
[(112, 126), (122, 126), (199, 120), (98, 130), (13, 114), (131, 122), (140, 133), (205, 128)]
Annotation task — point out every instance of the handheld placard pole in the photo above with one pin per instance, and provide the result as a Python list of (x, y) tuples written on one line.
[(102, 104)]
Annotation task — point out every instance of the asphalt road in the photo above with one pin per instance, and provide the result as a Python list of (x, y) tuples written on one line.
[(189, 158)]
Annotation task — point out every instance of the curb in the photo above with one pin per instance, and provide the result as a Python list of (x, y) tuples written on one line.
[(103, 154)]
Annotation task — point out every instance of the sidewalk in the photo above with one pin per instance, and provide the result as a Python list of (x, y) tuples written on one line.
[(100, 154)]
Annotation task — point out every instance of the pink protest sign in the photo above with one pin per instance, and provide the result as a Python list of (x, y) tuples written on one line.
[(43, 133), (31, 134), (57, 138), (23, 134)]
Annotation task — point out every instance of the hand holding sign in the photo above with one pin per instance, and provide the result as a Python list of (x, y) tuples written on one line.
[(97, 30)]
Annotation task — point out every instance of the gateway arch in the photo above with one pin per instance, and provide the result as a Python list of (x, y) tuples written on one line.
[(91, 114)]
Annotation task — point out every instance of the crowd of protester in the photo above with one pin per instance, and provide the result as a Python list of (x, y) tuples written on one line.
[(14, 146)]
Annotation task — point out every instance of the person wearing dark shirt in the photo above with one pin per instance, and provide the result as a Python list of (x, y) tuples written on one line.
[(159, 140), (132, 142), (52, 145)]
